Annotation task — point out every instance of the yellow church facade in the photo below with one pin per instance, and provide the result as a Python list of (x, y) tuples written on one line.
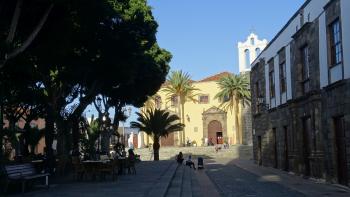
[(205, 122)]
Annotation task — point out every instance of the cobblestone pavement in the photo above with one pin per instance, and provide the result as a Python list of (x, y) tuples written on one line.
[(244, 178), (234, 181), (141, 184)]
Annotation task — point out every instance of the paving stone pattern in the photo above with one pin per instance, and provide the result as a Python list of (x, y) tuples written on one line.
[(233, 181)]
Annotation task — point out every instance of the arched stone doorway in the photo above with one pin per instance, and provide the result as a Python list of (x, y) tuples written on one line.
[(215, 134), (214, 125)]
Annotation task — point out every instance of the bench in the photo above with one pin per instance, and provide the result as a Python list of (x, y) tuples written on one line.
[(23, 173)]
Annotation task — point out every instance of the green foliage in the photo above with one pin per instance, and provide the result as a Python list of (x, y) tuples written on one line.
[(88, 139), (85, 48), (233, 90), (180, 84), (158, 123)]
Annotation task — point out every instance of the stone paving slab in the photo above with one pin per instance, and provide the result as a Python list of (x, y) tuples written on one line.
[(233, 181), (308, 187), (160, 188), (148, 175)]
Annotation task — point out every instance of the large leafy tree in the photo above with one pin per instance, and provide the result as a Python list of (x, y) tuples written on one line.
[(157, 123), (179, 84), (21, 21), (234, 90), (93, 47)]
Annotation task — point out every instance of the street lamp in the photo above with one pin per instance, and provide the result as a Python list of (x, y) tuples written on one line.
[(262, 103)]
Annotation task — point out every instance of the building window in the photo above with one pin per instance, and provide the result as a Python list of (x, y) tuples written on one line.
[(247, 58), (174, 100), (195, 129), (257, 51), (158, 102), (283, 82), (305, 69), (203, 99), (335, 43)]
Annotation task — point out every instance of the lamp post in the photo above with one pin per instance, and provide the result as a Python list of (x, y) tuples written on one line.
[(262, 103), (99, 105)]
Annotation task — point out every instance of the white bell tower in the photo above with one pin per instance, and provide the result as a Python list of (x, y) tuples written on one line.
[(249, 50)]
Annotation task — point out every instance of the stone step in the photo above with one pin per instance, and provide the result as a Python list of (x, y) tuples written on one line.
[(175, 186), (160, 189), (196, 191), (166, 153), (187, 182)]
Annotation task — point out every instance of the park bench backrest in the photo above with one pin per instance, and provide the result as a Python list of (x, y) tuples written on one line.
[(15, 171)]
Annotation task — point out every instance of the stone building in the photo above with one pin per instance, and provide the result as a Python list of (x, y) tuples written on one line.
[(301, 94)]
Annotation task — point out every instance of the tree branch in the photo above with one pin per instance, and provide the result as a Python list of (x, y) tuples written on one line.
[(14, 21), (30, 38)]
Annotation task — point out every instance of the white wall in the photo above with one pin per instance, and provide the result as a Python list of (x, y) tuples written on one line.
[(277, 80), (323, 51), (345, 17), (267, 90), (313, 10), (288, 73)]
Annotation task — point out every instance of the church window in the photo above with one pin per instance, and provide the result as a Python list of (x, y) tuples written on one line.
[(252, 41), (257, 51), (247, 58)]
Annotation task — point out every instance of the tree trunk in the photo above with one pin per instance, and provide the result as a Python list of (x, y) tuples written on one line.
[(105, 141), (14, 21), (183, 122), (1, 123), (30, 38), (75, 134), (239, 134), (49, 132), (156, 147), (63, 138)]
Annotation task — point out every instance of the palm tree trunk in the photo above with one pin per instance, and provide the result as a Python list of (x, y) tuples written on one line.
[(179, 112), (183, 122), (238, 130), (156, 147)]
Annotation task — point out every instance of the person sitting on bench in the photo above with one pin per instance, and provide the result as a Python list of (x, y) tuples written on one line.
[(190, 163), (180, 158)]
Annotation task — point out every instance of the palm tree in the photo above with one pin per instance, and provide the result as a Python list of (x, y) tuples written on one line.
[(179, 84), (158, 123), (149, 104), (234, 90)]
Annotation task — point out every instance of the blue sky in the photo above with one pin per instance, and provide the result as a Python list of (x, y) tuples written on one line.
[(202, 35)]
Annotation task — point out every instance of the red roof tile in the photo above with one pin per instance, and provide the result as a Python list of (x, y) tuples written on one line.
[(215, 77)]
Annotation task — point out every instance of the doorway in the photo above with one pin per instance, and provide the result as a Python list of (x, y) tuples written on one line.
[(215, 132), (219, 139), (274, 137), (340, 144), (259, 151), (286, 156)]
